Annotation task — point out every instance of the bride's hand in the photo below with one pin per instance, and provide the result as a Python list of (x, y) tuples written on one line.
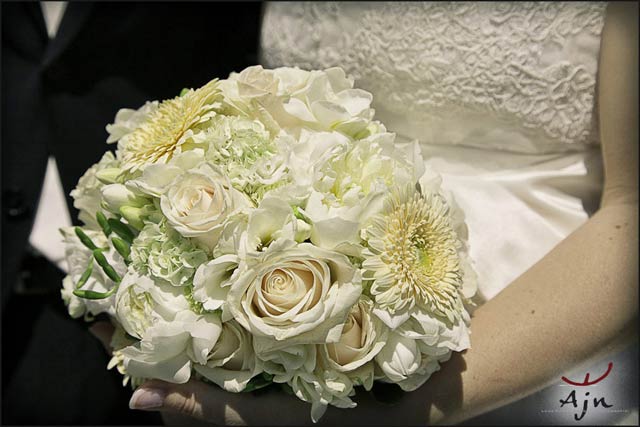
[(197, 403)]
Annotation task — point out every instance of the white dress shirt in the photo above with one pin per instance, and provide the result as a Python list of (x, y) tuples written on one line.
[(52, 211)]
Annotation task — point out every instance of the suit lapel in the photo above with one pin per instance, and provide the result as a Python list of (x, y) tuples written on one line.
[(73, 19), (35, 14)]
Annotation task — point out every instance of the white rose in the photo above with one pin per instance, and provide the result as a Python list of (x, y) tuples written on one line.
[(292, 294), (198, 202), (255, 82), (169, 349), (232, 362), (141, 302)]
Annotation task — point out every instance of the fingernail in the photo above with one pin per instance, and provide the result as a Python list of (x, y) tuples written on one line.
[(147, 398)]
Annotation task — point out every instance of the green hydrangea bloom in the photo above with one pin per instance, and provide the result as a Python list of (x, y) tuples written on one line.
[(162, 253)]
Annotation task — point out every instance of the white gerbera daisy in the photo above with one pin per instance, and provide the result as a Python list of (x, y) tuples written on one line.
[(412, 256), (167, 127)]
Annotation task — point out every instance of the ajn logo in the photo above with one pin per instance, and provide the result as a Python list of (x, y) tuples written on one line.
[(571, 398)]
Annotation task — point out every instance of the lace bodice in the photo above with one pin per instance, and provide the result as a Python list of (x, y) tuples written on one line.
[(513, 76)]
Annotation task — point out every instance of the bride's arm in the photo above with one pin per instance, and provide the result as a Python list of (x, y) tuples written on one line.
[(577, 303)]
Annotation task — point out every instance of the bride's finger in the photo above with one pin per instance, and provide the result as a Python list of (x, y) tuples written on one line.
[(103, 331), (193, 399)]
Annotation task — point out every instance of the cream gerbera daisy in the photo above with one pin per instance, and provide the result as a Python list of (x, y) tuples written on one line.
[(162, 133), (412, 256)]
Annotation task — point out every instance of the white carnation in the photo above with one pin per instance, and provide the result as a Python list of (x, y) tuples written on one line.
[(169, 349), (141, 302)]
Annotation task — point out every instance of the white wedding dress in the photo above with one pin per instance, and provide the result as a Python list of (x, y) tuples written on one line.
[(501, 97)]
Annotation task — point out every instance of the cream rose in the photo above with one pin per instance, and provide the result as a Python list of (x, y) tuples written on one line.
[(232, 362), (197, 203), (294, 292), (363, 336)]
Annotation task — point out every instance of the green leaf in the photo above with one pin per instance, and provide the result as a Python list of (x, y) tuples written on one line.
[(121, 230), (86, 240), (257, 383), (287, 388), (104, 224)]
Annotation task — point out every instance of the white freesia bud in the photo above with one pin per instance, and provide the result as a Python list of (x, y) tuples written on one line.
[(109, 175), (303, 231), (133, 216), (231, 363), (399, 358), (293, 294), (116, 196)]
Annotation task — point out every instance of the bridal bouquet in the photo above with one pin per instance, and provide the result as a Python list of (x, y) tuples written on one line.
[(265, 229)]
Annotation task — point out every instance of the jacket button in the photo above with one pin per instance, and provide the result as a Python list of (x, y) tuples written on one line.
[(13, 204)]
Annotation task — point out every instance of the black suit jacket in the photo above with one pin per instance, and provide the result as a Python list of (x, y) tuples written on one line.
[(57, 97)]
